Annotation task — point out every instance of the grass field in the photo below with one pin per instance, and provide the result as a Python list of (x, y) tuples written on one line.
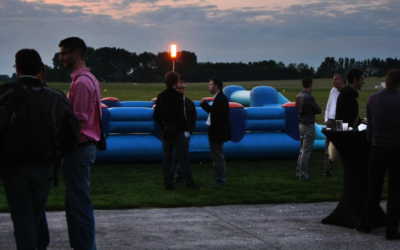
[(249, 182)]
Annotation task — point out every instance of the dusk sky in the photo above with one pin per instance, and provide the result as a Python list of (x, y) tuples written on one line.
[(216, 30)]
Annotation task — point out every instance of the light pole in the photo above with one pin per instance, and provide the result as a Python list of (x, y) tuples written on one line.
[(173, 55)]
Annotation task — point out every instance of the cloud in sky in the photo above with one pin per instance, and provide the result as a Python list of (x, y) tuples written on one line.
[(218, 31)]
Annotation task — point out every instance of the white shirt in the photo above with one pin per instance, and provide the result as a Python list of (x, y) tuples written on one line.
[(330, 112), (208, 122)]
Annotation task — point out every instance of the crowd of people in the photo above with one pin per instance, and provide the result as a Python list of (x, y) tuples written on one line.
[(383, 136), (42, 129)]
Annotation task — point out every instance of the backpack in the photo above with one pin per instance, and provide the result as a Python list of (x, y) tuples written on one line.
[(31, 134)]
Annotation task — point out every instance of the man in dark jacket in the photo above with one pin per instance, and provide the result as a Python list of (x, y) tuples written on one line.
[(169, 113), (219, 130), (307, 108), (383, 113), (191, 116), (37, 127), (347, 104)]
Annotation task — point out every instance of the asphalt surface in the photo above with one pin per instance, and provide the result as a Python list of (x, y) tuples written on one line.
[(288, 226)]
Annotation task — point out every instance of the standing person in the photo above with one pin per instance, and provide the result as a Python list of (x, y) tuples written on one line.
[(307, 108), (84, 96), (383, 114), (191, 116), (37, 127), (339, 81), (347, 104), (219, 129), (169, 113)]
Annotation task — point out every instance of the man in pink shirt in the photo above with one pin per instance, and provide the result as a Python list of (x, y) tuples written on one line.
[(84, 96)]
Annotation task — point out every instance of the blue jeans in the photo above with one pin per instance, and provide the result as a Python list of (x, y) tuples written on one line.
[(177, 162), (307, 138), (78, 205), (27, 188)]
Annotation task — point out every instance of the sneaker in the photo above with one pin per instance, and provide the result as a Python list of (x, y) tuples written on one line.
[(194, 187), (327, 174), (179, 181)]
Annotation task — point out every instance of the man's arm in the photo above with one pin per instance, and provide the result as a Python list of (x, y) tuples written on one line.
[(194, 116), (328, 106), (205, 106), (314, 106), (369, 125), (70, 129)]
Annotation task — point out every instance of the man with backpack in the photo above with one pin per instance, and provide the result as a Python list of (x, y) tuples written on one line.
[(84, 96), (37, 127)]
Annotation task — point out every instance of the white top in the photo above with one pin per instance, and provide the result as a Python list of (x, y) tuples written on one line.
[(330, 112), (208, 122)]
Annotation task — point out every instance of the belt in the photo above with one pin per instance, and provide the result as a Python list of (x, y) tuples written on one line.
[(331, 119), (86, 144)]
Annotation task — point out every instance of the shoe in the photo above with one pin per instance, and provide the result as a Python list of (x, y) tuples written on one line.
[(358, 225), (194, 187), (327, 174), (169, 187), (179, 181), (303, 179), (217, 185), (392, 235)]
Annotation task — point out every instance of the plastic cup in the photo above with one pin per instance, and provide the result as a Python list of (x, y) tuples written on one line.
[(339, 125), (345, 126)]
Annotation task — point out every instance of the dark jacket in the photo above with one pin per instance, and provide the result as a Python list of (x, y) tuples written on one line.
[(169, 109), (191, 114), (347, 106), (220, 128), (306, 107), (54, 108)]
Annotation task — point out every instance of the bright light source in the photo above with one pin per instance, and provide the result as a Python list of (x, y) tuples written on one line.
[(173, 50)]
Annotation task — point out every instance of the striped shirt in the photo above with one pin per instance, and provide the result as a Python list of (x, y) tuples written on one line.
[(82, 96)]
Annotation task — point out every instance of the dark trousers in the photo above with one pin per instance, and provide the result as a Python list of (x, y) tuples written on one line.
[(27, 189), (383, 158), (328, 163), (181, 145), (218, 159), (177, 163)]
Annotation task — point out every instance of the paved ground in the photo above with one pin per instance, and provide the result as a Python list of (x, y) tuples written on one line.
[(226, 227)]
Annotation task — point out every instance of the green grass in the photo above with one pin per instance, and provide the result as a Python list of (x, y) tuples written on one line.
[(249, 182)]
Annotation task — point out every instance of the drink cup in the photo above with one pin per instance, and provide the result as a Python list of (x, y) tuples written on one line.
[(345, 126), (339, 125)]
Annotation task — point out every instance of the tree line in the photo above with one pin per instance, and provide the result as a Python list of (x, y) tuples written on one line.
[(119, 65)]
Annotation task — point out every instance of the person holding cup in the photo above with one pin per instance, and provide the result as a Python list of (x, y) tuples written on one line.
[(307, 108), (347, 104)]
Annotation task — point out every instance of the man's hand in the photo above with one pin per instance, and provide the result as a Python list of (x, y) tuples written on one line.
[(202, 100)]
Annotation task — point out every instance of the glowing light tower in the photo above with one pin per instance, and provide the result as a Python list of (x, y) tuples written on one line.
[(173, 55)]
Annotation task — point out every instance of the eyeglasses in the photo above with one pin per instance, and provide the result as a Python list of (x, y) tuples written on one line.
[(181, 88), (15, 66), (66, 52)]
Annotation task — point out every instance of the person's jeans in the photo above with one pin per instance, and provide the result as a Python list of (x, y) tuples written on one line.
[(176, 162), (218, 159), (27, 188), (328, 163), (78, 205), (382, 158), (181, 145), (307, 138)]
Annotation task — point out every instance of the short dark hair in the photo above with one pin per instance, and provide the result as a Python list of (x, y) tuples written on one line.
[(393, 78), (354, 73), (306, 82), (29, 61), (171, 78), (74, 43), (182, 82), (342, 77), (217, 81)]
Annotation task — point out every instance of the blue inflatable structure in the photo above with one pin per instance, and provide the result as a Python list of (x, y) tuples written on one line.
[(264, 126)]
